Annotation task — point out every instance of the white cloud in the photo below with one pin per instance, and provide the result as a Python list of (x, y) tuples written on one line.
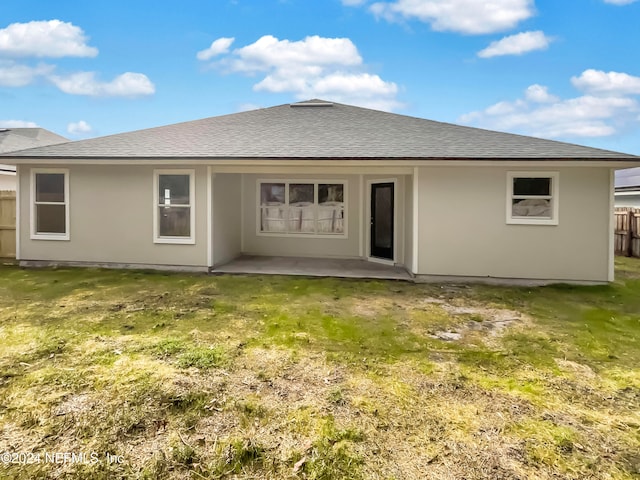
[(330, 68), (17, 124), (13, 74), (501, 108), (84, 83), (542, 114), (611, 83), (539, 94), (79, 128), (345, 83), (516, 44), (51, 38), (619, 2), (356, 88), (217, 47), (268, 52), (245, 107), (463, 16), (57, 39)]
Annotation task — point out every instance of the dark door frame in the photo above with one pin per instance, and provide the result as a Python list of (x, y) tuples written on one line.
[(381, 253)]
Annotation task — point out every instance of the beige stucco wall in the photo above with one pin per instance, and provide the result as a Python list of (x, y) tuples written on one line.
[(227, 215), (463, 230), (111, 219)]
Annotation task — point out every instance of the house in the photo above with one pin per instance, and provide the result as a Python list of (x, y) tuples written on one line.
[(628, 188), (12, 139), (323, 180), (7, 178)]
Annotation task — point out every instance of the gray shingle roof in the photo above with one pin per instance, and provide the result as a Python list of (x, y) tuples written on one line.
[(12, 139), (319, 130)]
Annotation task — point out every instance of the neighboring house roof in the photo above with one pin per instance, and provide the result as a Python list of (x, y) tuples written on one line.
[(628, 180), (317, 129), (12, 139)]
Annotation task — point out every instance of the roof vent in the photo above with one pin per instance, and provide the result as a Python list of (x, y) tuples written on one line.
[(312, 103)]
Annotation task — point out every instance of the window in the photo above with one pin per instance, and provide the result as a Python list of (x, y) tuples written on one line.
[(301, 208), (50, 204), (174, 209), (532, 198)]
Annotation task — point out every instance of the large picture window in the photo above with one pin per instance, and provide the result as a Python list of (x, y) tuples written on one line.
[(50, 204), (532, 198), (174, 206), (301, 207)]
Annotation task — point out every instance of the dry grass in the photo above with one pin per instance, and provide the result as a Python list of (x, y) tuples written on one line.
[(288, 378)]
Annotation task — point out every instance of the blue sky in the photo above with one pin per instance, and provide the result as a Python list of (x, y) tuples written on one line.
[(567, 70)]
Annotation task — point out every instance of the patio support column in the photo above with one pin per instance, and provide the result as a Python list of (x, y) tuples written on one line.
[(416, 222), (210, 223), (18, 212), (361, 221), (612, 225), (242, 213)]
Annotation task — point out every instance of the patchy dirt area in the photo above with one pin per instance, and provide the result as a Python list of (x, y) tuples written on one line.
[(485, 320)]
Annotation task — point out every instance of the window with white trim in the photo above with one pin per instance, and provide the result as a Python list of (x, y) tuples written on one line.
[(174, 209), (50, 204), (301, 207), (532, 198)]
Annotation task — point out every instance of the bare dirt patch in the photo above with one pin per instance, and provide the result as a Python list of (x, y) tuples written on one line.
[(486, 321), (578, 369), (74, 405)]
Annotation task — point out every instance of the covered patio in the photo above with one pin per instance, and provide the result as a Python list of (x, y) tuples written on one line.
[(312, 267)]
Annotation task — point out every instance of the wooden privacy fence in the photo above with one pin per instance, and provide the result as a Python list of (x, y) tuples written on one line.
[(627, 231), (7, 224)]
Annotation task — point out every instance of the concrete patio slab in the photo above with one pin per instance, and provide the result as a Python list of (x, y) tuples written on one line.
[(312, 267)]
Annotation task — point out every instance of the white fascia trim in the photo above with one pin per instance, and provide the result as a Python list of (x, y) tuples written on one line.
[(322, 164)]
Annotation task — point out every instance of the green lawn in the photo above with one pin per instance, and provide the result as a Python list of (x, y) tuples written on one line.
[(193, 376)]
